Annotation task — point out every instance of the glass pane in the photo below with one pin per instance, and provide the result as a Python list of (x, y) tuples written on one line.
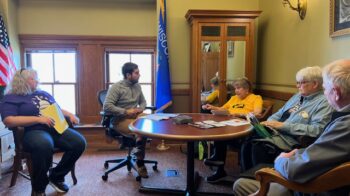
[(210, 31), (43, 64), (65, 97), (46, 87), (65, 68), (147, 92), (236, 53), (116, 62), (236, 30), (210, 62), (144, 61)]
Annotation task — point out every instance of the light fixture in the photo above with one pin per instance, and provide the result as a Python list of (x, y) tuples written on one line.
[(300, 8)]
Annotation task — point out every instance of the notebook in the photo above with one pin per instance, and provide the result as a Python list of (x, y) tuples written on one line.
[(259, 128)]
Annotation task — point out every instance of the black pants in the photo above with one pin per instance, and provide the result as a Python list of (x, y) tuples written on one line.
[(253, 153), (41, 144), (220, 150)]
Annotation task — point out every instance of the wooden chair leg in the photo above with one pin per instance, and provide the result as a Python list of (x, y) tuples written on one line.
[(16, 167)]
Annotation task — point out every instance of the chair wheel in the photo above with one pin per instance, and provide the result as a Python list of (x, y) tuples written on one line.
[(155, 167), (104, 177), (138, 178), (106, 165)]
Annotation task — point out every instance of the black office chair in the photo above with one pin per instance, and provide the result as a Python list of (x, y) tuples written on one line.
[(128, 141)]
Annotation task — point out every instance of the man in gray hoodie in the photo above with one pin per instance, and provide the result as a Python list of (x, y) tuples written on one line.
[(126, 102)]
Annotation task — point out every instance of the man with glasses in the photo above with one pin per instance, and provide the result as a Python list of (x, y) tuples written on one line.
[(305, 114)]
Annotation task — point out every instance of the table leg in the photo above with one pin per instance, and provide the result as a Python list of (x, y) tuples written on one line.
[(190, 189)]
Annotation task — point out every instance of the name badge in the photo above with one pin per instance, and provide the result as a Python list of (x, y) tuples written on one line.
[(304, 114)]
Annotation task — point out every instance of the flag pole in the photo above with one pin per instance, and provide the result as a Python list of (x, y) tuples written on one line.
[(163, 146), (163, 84)]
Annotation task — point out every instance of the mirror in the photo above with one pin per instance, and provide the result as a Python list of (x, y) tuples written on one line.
[(236, 55), (210, 62)]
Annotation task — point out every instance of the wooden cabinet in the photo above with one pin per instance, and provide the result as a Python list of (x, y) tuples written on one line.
[(221, 41)]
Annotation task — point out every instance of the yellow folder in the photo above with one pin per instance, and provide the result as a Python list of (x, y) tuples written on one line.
[(54, 111)]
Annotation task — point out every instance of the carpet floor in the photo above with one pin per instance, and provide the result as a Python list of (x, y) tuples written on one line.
[(89, 170)]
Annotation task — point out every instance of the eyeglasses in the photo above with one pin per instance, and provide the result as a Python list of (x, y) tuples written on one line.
[(302, 82)]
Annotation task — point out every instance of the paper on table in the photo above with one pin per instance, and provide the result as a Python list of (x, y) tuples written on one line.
[(214, 123), (235, 122), (53, 111), (159, 116)]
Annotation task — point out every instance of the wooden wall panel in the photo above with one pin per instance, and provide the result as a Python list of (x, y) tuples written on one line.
[(91, 80)]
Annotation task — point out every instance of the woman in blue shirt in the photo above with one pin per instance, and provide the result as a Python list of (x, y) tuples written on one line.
[(22, 106)]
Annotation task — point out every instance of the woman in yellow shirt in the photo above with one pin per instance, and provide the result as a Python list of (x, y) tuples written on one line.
[(243, 102), (239, 105), (213, 97)]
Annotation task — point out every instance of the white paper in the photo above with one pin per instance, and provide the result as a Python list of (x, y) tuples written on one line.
[(214, 123), (159, 116), (235, 122)]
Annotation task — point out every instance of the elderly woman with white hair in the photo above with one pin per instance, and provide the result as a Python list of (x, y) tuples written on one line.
[(305, 114)]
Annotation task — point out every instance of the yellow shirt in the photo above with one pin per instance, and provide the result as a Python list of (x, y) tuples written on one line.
[(243, 106), (213, 97)]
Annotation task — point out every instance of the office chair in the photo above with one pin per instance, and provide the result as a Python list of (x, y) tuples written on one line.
[(333, 179), (129, 141), (18, 134)]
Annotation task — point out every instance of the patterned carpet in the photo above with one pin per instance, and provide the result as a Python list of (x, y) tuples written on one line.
[(89, 170)]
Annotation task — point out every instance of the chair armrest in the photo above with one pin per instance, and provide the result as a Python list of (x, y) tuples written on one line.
[(334, 178)]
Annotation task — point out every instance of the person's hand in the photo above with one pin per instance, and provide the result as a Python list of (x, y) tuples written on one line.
[(273, 124), (206, 106), (74, 119), (287, 154), (46, 121), (132, 112)]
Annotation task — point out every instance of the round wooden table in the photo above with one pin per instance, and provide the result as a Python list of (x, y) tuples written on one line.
[(168, 130)]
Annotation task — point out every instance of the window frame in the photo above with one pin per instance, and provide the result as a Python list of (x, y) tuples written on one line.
[(28, 63), (91, 62), (131, 50)]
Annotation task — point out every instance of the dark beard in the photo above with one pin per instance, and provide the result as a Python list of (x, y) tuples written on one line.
[(134, 81)]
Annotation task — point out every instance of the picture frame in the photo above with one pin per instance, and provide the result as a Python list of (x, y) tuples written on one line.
[(230, 48), (339, 18)]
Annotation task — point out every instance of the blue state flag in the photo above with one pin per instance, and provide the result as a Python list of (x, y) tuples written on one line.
[(163, 84)]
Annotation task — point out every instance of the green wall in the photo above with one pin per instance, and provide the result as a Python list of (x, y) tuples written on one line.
[(102, 18), (287, 44)]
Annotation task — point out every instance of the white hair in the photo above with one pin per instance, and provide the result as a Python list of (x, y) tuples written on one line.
[(337, 74), (19, 85), (313, 73)]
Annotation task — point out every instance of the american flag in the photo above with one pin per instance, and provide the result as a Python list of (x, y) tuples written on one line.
[(7, 66)]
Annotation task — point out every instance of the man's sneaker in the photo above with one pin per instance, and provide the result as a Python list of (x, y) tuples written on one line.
[(142, 171), (216, 177), (213, 161), (60, 187)]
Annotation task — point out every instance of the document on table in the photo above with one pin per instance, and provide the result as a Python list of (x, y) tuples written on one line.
[(214, 123), (235, 122), (54, 111), (159, 116)]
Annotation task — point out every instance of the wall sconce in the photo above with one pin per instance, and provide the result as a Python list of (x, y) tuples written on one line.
[(300, 8)]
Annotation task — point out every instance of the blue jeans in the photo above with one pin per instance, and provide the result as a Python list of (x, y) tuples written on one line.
[(41, 145)]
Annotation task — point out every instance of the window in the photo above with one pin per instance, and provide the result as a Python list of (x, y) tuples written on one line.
[(57, 74), (115, 61)]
